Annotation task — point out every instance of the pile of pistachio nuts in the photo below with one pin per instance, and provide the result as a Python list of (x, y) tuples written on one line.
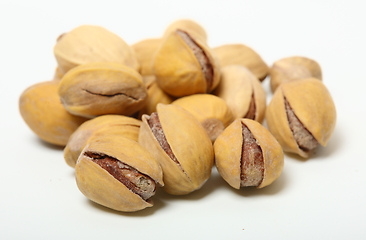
[(161, 113)]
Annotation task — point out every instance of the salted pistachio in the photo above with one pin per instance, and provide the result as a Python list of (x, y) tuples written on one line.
[(88, 43), (95, 89), (118, 173), (189, 26), (293, 68), (185, 65), (181, 145), (94, 128), (211, 111), (145, 51), (42, 111), (242, 92), (301, 115), (233, 54), (247, 154)]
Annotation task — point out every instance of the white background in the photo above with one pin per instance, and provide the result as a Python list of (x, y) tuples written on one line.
[(320, 198)]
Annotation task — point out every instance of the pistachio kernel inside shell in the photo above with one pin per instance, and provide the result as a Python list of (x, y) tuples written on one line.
[(304, 139), (252, 165), (137, 182), (251, 114), (201, 56)]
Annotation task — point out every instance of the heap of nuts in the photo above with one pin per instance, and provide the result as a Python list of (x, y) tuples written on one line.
[(164, 111)]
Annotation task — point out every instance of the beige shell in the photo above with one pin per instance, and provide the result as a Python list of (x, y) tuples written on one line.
[(233, 54), (97, 127), (211, 111), (228, 151), (178, 71), (87, 43), (95, 89), (101, 187), (293, 68), (237, 87), (190, 144), (189, 26), (42, 111), (145, 51), (312, 103)]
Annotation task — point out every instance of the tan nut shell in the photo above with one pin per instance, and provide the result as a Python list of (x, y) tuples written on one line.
[(94, 128), (232, 54), (236, 88), (177, 70), (190, 145), (95, 89), (211, 111), (88, 43), (228, 150), (293, 68), (187, 25), (41, 109), (145, 51), (101, 187), (312, 103)]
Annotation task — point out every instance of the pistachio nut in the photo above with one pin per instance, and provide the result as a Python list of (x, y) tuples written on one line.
[(247, 154), (242, 92), (181, 145), (232, 54), (42, 111), (293, 68), (118, 173), (95, 89), (145, 51), (211, 111), (94, 128), (88, 43), (189, 26), (184, 65), (301, 115)]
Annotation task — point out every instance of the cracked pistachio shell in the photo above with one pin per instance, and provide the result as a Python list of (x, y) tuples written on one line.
[(312, 103), (97, 127), (232, 54), (238, 87), (95, 89), (189, 143), (211, 111), (145, 51), (87, 43), (177, 69), (42, 111), (228, 152), (101, 187), (189, 26), (293, 68)]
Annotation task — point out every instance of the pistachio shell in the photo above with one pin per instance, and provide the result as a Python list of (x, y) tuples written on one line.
[(145, 51), (189, 26), (233, 54), (238, 87), (101, 187), (190, 145), (86, 44), (312, 103), (102, 88), (42, 111), (228, 153)]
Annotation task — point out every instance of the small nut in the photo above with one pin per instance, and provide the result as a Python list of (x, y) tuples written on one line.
[(86, 44), (95, 89), (211, 111), (118, 173), (300, 115), (242, 92), (189, 26), (42, 111), (246, 154), (181, 145), (145, 51), (240, 54)]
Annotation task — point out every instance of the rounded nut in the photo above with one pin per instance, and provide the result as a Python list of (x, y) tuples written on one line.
[(42, 111), (181, 145), (246, 154), (118, 173), (301, 115), (145, 51), (189, 26), (95, 89)]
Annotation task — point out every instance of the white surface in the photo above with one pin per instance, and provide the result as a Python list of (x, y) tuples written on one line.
[(321, 198)]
